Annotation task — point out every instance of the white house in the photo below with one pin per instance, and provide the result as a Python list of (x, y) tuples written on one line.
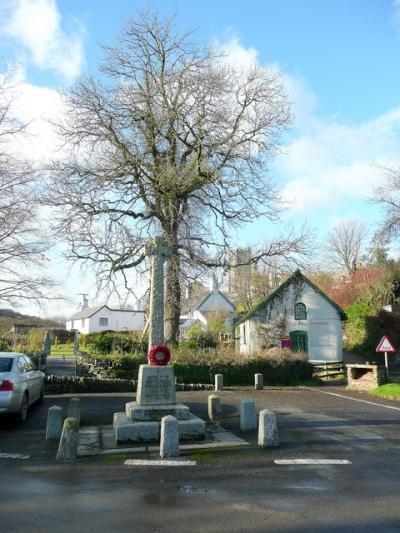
[(214, 304), (299, 314), (102, 318)]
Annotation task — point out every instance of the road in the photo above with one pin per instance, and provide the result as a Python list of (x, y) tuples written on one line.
[(229, 491), (62, 365)]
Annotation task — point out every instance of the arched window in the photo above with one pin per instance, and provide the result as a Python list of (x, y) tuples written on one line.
[(300, 312)]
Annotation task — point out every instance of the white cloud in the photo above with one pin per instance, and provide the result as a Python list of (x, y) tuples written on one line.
[(327, 163), (335, 162), (236, 54), (36, 24), (36, 107)]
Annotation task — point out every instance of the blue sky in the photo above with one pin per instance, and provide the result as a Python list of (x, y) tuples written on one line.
[(339, 62)]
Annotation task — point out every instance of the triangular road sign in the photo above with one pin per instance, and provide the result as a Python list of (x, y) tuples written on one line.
[(385, 345)]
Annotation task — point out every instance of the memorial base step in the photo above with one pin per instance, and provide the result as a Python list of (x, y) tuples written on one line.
[(136, 412), (193, 428)]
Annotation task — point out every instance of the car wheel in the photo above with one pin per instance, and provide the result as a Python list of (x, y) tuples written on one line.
[(23, 410)]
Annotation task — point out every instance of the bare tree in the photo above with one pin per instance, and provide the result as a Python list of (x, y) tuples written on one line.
[(388, 196), (22, 244), (173, 141), (345, 245)]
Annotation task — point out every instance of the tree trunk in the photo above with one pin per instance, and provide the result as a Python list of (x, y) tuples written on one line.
[(172, 298)]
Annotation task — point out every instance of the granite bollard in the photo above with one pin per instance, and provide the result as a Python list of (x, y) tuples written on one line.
[(267, 429), (55, 417), (214, 407), (68, 447), (169, 440), (248, 416), (258, 381), (74, 409), (219, 381)]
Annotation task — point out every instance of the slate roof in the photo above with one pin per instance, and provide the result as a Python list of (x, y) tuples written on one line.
[(90, 311), (203, 301), (294, 277), (87, 313)]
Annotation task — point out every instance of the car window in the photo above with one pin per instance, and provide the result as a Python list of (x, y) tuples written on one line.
[(6, 364), (29, 363), (22, 365)]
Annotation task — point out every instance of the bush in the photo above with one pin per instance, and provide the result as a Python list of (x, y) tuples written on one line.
[(5, 345), (198, 337), (39, 357), (366, 326), (108, 342)]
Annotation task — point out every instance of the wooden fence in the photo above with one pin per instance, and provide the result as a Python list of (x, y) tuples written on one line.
[(330, 370)]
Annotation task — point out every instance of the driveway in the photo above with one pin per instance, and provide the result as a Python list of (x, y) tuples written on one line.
[(231, 490)]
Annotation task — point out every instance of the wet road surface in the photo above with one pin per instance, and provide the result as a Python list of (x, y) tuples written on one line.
[(231, 490)]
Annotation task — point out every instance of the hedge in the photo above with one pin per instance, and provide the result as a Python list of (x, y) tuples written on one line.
[(69, 384), (275, 373), (75, 385)]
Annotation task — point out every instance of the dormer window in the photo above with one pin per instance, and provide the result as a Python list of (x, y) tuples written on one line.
[(300, 312)]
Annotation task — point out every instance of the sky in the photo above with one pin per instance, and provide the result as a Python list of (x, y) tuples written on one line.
[(339, 62)]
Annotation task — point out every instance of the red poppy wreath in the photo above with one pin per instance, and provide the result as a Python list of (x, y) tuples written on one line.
[(159, 355)]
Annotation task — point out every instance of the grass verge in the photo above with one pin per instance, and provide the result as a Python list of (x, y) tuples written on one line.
[(390, 391)]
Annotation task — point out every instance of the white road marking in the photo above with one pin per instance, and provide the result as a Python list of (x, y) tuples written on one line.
[(159, 462), (13, 456), (312, 462), (354, 399)]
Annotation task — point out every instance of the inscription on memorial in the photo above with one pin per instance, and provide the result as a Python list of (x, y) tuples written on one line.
[(156, 385), (158, 388)]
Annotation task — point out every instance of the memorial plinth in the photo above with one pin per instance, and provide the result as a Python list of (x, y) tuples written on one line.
[(155, 398)]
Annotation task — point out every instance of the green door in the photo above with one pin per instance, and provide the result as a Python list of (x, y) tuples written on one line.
[(299, 341)]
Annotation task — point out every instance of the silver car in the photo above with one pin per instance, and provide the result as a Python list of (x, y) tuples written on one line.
[(20, 383)]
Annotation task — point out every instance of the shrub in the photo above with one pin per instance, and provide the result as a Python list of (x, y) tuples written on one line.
[(366, 326), (5, 345), (39, 357), (108, 342), (198, 337)]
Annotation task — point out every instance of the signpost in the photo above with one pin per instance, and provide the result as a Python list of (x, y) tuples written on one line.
[(385, 346)]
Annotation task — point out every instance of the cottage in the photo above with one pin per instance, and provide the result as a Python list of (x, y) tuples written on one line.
[(103, 318), (214, 305), (298, 315)]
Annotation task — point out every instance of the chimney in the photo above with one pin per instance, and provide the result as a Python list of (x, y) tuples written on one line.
[(214, 284), (85, 301)]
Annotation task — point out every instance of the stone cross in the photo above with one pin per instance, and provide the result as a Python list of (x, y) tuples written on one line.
[(159, 251)]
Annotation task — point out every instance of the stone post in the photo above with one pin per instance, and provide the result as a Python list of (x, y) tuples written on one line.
[(214, 407), (158, 249), (68, 447), (74, 409), (54, 423), (267, 429), (248, 417), (219, 381), (169, 440), (258, 381)]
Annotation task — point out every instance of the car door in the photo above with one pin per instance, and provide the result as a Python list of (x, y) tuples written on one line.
[(28, 376), (35, 378), (38, 377)]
